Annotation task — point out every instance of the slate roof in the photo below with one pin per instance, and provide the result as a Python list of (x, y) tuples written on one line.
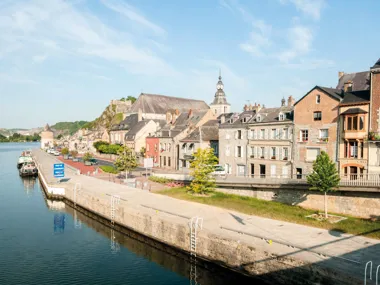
[(160, 104), (136, 128), (236, 119), (362, 96), (209, 133), (332, 92), (127, 123), (183, 121), (360, 80), (377, 64), (354, 111), (271, 115)]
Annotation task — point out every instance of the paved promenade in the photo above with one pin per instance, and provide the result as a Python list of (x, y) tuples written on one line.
[(344, 252)]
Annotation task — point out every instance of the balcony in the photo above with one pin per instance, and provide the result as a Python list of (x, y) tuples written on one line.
[(355, 135)]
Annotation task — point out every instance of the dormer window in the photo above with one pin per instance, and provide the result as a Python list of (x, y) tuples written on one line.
[(258, 118), (281, 117), (318, 99)]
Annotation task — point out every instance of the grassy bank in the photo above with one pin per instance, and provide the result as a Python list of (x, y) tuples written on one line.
[(278, 211), (109, 169)]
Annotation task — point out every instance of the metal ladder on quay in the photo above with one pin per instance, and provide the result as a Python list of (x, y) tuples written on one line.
[(195, 224), (115, 201)]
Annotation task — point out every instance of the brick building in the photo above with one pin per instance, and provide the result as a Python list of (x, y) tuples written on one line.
[(315, 127)]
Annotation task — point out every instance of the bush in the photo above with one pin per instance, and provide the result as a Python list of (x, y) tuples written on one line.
[(73, 153), (109, 169), (109, 149), (65, 151), (87, 156), (161, 180), (98, 144)]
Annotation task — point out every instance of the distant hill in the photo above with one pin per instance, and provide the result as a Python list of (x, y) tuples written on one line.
[(68, 128), (109, 117)]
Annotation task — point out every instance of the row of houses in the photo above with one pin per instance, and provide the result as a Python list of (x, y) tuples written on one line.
[(285, 141), (263, 142)]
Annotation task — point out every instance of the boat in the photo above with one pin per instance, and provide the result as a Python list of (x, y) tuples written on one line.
[(22, 160), (28, 169)]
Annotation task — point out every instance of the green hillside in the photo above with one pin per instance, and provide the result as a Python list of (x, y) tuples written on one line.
[(69, 127)]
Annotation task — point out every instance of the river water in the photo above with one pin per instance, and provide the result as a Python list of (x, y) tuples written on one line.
[(47, 242)]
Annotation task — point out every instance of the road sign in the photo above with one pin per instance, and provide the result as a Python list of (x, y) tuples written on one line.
[(59, 170), (148, 162)]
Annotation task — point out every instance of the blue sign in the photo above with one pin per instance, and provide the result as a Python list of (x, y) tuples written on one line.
[(59, 170)]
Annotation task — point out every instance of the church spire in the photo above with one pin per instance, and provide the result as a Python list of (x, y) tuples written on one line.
[(220, 105)]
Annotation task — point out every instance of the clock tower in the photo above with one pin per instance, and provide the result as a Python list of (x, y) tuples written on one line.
[(219, 105)]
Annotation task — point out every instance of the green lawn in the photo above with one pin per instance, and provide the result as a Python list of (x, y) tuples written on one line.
[(278, 211), (109, 169)]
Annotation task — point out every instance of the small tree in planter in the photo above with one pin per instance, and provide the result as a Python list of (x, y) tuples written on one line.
[(201, 168), (126, 160), (74, 153), (86, 158), (324, 177), (65, 152)]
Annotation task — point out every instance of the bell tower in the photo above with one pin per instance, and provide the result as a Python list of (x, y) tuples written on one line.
[(220, 105)]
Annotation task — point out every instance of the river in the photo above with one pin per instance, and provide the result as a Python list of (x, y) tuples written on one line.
[(47, 242)]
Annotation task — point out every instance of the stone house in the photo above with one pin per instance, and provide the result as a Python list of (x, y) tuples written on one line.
[(316, 118), (204, 136), (270, 142), (233, 142), (176, 129)]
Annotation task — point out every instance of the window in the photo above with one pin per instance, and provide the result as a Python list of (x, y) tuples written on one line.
[(258, 118), (147, 147), (285, 133), (318, 99), (169, 161), (165, 146), (227, 136), (164, 160), (227, 150), (262, 134), (262, 152), (169, 146), (285, 153), (304, 135), (273, 153), (274, 133), (351, 149), (317, 116), (252, 134), (238, 154), (323, 134), (354, 123), (312, 153), (239, 134), (252, 151), (155, 147), (281, 117)]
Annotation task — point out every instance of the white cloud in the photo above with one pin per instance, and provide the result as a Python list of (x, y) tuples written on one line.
[(310, 8), (16, 79), (300, 39), (61, 28), (131, 13)]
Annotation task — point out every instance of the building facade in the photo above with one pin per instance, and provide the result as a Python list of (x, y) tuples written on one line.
[(270, 142), (152, 150), (47, 138), (315, 127)]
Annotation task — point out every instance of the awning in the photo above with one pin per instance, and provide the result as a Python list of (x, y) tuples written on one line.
[(354, 111)]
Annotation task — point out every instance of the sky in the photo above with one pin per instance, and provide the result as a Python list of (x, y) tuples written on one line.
[(64, 60)]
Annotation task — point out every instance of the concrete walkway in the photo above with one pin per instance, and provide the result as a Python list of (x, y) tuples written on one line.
[(343, 252)]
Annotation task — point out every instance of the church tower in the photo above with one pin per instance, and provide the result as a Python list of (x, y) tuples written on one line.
[(219, 105)]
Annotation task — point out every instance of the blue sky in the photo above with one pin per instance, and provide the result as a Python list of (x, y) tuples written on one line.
[(65, 60)]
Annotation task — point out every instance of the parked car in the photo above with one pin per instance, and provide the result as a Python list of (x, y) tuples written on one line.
[(75, 159), (56, 153), (50, 150), (91, 161), (69, 157), (219, 171)]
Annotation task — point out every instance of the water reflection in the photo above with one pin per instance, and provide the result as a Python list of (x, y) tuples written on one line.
[(29, 183), (198, 272), (59, 223)]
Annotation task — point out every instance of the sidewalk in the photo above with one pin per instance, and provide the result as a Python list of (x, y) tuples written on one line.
[(343, 252)]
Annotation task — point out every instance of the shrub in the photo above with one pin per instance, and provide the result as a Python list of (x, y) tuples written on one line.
[(87, 156), (73, 153), (109, 169), (109, 149), (65, 151), (162, 180), (98, 144)]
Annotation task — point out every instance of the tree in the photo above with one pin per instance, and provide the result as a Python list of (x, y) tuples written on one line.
[(201, 168), (65, 151), (126, 161), (324, 177), (132, 99), (143, 151), (87, 156), (73, 153), (59, 136)]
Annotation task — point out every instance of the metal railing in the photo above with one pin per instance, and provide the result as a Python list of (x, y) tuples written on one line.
[(360, 180)]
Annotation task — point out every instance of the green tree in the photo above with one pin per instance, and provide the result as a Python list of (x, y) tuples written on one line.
[(65, 151), (325, 177), (73, 153), (132, 99), (59, 136), (201, 168), (126, 160), (87, 156), (143, 151)]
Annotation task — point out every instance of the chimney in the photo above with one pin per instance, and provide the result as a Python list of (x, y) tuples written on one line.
[(222, 119), (283, 102), (245, 108), (291, 101), (139, 115), (190, 113), (348, 86), (168, 117), (340, 74)]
